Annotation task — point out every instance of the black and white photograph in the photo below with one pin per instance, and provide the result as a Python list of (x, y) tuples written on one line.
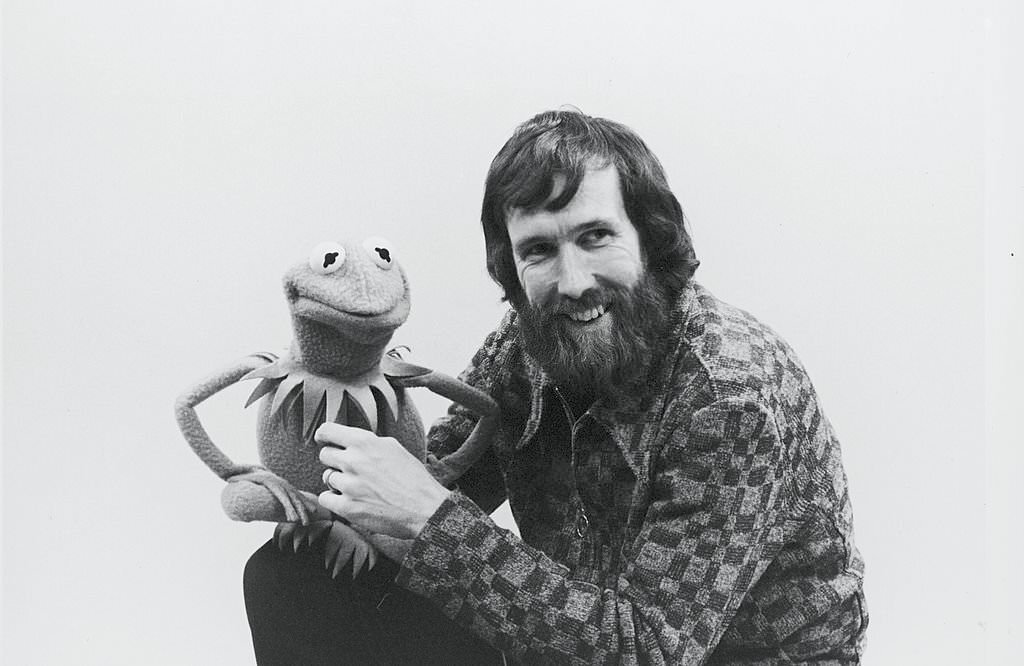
[(535, 333)]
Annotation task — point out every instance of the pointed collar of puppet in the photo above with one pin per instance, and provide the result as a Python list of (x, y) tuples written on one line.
[(285, 380)]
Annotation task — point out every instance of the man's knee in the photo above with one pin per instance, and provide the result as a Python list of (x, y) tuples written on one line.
[(261, 582), (298, 613)]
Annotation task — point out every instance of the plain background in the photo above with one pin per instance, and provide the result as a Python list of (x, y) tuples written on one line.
[(165, 162)]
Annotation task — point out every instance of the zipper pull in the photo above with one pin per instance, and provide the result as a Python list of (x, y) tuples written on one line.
[(582, 523)]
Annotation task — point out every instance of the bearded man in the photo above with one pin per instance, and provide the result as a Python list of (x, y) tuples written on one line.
[(678, 489)]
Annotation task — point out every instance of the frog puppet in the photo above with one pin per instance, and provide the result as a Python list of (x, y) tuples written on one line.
[(345, 301)]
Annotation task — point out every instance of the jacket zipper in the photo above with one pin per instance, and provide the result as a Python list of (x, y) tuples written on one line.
[(582, 521)]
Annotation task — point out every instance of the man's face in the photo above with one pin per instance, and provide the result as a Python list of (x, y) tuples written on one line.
[(563, 258), (592, 312)]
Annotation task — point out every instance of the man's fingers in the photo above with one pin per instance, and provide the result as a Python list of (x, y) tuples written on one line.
[(346, 484), (328, 474), (333, 502), (345, 460), (335, 434), (332, 457)]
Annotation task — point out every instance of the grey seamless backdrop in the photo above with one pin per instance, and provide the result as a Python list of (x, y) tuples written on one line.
[(164, 163)]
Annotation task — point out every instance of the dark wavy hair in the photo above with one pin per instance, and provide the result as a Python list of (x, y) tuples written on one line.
[(567, 143)]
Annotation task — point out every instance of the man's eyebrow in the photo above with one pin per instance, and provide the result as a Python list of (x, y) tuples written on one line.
[(596, 223)]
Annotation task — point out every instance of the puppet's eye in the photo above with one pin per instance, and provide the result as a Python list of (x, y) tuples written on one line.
[(326, 257), (380, 250)]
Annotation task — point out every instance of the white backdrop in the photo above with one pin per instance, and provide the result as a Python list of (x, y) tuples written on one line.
[(164, 163)]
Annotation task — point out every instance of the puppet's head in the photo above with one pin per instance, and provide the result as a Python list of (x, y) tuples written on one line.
[(346, 301)]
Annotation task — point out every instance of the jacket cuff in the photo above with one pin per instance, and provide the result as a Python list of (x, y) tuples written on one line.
[(449, 560)]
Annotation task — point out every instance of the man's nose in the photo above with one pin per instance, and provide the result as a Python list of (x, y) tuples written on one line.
[(575, 276)]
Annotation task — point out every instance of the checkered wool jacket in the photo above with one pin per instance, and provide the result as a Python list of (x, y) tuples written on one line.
[(706, 521)]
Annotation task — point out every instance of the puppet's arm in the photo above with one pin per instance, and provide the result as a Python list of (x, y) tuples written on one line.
[(246, 501), (295, 507), (452, 466)]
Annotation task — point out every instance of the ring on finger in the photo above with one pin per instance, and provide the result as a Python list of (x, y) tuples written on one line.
[(327, 477)]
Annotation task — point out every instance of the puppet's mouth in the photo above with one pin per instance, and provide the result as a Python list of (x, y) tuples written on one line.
[(348, 320)]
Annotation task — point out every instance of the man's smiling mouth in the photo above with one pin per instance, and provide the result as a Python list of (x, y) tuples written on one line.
[(587, 315)]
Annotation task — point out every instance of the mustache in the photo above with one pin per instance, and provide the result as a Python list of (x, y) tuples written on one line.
[(552, 303)]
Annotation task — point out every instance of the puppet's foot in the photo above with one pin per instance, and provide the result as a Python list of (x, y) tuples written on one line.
[(344, 544), (292, 536)]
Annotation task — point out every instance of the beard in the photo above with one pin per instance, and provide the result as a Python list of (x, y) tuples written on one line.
[(611, 362)]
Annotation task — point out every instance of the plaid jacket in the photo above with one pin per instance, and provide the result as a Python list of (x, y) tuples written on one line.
[(707, 521)]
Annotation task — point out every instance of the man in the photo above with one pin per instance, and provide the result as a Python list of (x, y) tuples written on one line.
[(678, 489)]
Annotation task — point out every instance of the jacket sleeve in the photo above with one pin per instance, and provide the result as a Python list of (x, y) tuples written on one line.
[(713, 524)]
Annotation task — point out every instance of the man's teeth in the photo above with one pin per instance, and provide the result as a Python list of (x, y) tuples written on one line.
[(587, 315)]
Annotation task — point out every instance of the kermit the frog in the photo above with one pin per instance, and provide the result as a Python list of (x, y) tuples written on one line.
[(345, 300)]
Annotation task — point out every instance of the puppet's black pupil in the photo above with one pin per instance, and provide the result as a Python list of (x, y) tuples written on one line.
[(384, 254), (329, 258)]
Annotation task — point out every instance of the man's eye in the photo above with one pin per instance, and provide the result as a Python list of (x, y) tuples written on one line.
[(539, 250), (596, 236)]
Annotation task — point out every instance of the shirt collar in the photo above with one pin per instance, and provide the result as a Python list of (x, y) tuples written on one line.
[(631, 417)]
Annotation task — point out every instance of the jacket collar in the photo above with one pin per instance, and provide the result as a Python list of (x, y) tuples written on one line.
[(631, 420)]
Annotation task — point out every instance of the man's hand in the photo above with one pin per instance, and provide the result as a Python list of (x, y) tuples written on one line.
[(381, 487)]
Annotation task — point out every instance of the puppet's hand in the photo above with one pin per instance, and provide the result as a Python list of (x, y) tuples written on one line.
[(296, 507), (448, 469)]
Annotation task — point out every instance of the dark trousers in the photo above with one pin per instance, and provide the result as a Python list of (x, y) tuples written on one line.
[(298, 614)]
